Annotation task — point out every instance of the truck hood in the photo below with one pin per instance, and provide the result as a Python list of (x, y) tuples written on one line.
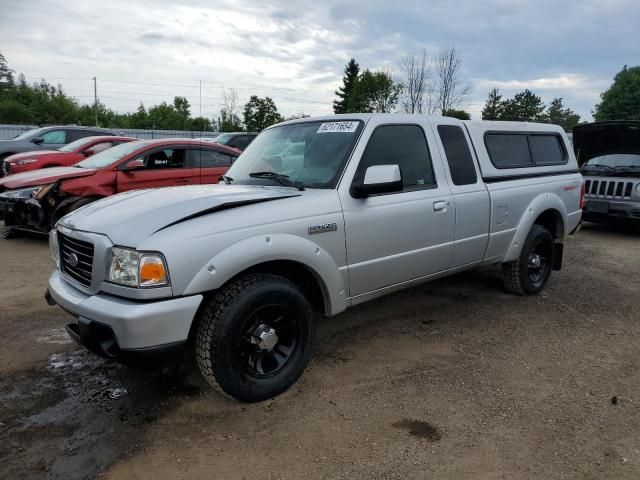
[(131, 217), (606, 138), (43, 177), (34, 154)]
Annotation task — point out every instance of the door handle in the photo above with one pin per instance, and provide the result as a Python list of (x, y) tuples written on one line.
[(440, 206), (182, 180)]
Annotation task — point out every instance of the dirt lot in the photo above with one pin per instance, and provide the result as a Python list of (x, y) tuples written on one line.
[(454, 379)]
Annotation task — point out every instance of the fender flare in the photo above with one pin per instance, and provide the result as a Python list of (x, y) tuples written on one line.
[(259, 249), (541, 203)]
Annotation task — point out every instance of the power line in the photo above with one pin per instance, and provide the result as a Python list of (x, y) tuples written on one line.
[(158, 84)]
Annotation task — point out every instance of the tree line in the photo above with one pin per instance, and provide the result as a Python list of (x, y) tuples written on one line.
[(43, 103), (526, 106)]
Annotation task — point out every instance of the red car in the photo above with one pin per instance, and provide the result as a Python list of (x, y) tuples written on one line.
[(68, 155), (37, 200)]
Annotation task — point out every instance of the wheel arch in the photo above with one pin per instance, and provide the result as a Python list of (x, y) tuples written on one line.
[(303, 262), (547, 210)]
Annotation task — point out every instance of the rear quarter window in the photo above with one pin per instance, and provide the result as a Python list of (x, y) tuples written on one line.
[(456, 149)]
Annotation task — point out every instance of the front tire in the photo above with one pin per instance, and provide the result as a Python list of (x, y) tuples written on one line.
[(254, 338), (531, 272)]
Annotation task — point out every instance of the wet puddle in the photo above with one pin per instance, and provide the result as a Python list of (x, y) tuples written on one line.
[(78, 414)]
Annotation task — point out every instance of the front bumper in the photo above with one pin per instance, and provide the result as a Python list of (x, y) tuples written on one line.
[(116, 327), (22, 213), (606, 210)]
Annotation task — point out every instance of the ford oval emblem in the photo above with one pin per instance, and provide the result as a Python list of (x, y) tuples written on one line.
[(73, 260)]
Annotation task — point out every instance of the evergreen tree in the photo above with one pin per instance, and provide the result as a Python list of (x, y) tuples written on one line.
[(523, 107), (493, 106), (558, 115), (345, 94)]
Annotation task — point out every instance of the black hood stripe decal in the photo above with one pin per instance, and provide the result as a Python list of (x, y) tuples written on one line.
[(223, 206)]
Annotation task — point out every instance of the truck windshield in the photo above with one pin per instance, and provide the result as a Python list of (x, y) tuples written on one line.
[(310, 154), (110, 156), (615, 161)]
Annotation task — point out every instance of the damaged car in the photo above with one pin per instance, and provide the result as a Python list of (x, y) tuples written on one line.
[(609, 157), (35, 201)]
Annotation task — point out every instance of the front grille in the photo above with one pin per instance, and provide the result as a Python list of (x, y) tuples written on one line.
[(608, 188), (76, 259)]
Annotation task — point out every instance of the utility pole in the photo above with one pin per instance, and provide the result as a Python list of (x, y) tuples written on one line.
[(95, 99), (201, 103)]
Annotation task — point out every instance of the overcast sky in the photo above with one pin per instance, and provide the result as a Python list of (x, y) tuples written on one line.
[(295, 51)]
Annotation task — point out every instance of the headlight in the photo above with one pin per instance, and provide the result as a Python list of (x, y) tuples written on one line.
[(42, 191), (26, 161), (137, 269), (22, 193)]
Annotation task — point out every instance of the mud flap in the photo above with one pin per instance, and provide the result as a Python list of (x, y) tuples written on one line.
[(558, 250)]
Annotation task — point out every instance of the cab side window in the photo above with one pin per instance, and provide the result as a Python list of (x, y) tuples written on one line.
[(402, 145), (55, 137)]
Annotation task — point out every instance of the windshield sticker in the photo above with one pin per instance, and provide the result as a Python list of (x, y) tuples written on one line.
[(338, 127)]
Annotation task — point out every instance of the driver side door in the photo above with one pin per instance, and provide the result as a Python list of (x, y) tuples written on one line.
[(160, 167), (397, 237)]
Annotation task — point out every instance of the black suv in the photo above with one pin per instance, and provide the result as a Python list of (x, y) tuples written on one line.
[(47, 138)]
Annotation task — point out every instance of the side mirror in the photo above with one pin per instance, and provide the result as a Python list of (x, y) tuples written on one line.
[(378, 179), (131, 165), (38, 140)]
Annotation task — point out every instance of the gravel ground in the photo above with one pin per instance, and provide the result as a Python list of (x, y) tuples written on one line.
[(454, 379)]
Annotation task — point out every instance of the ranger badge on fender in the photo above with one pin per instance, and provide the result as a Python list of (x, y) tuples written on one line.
[(324, 227)]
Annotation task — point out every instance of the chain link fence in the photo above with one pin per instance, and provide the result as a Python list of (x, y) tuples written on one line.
[(7, 132)]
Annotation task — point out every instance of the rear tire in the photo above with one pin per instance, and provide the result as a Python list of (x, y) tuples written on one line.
[(531, 272), (254, 338)]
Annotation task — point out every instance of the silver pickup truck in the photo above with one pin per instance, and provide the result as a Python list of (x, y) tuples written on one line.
[(317, 215)]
